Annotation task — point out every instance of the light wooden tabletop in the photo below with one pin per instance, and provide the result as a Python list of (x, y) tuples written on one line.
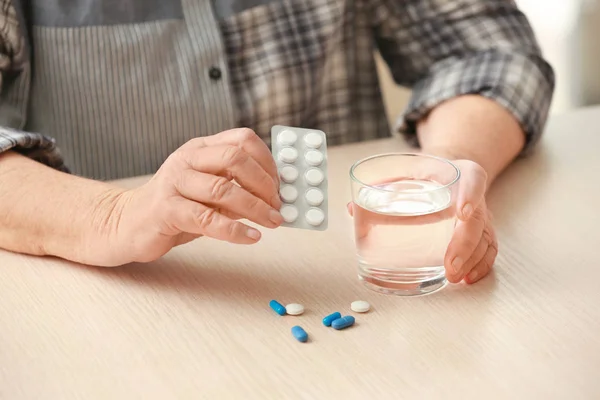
[(197, 325)]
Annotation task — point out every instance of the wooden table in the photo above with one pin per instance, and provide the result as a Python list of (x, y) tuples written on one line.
[(196, 324)]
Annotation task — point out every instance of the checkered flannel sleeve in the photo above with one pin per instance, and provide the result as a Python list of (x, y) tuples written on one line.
[(443, 49), (33, 145)]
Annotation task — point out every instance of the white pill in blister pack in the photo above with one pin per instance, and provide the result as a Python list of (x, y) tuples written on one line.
[(288, 193), (301, 158), (288, 174), (289, 213), (313, 140), (313, 157), (287, 137), (315, 216), (288, 155), (314, 176), (314, 197)]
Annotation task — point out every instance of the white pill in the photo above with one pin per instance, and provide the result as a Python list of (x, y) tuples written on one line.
[(314, 197), (287, 137), (314, 140), (313, 157), (314, 176), (360, 306), (315, 217), (288, 174), (294, 309), (289, 213), (288, 155), (288, 193)]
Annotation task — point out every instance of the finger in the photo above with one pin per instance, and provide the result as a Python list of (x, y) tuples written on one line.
[(465, 239), (247, 140), (472, 188), (230, 214), (197, 219), (362, 226), (217, 192), (483, 267), (489, 231), (233, 162), (488, 238), (475, 258)]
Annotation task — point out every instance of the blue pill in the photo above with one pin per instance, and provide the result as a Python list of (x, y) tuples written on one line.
[(330, 318), (300, 334), (277, 307), (343, 322)]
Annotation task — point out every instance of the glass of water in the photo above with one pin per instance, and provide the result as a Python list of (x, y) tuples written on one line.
[(404, 208)]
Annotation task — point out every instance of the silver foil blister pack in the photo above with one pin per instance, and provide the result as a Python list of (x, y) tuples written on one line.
[(301, 158)]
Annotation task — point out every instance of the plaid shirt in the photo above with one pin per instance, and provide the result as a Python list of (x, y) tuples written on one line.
[(118, 89)]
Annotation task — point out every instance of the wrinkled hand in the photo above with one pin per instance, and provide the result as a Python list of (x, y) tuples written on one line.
[(193, 195), (473, 247)]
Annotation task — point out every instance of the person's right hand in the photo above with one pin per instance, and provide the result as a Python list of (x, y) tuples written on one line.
[(193, 195)]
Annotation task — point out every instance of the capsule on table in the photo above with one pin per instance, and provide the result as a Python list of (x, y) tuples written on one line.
[(300, 334), (277, 307), (330, 318), (343, 322)]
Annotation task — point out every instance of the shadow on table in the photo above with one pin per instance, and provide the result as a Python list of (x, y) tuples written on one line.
[(229, 282), (242, 284)]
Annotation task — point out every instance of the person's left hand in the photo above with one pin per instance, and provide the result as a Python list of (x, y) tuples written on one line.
[(473, 247)]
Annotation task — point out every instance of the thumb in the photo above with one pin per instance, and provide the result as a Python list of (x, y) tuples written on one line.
[(473, 183)]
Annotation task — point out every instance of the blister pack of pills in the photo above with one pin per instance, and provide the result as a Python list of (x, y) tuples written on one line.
[(301, 158)]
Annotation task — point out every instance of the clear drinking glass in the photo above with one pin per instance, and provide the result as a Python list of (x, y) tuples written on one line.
[(404, 214)]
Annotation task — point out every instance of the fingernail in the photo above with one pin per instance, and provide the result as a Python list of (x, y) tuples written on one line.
[(456, 264), (275, 217), (253, 234), (471, 276), (467, 210), (277, 201)]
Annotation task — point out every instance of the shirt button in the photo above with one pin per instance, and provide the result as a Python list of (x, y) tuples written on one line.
[(214, 73)]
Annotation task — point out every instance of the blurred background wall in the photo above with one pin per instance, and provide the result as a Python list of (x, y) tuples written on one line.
[(569, 34)]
